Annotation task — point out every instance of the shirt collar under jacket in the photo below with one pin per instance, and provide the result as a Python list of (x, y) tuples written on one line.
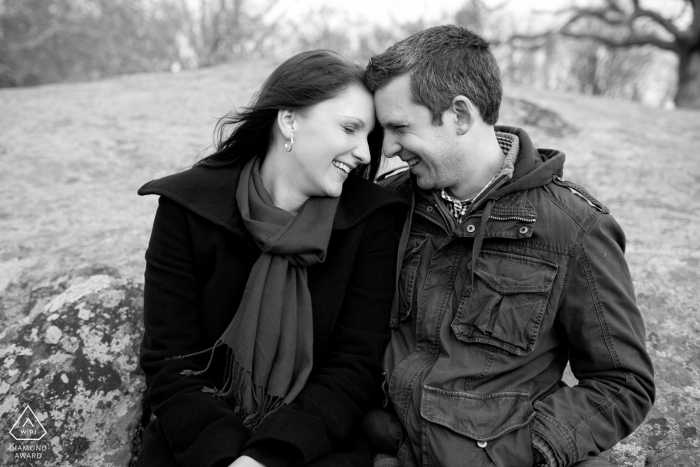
[(510, 145)]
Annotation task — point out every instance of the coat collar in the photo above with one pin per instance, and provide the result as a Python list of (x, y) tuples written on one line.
[(211, 193)]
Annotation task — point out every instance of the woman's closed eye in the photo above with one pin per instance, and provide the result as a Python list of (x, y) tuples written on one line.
[(350, 129)]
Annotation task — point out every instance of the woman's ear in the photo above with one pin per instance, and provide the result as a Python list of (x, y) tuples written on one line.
[(464, 114), (285, 122)]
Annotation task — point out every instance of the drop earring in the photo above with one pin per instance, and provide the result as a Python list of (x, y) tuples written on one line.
[(289, 144)]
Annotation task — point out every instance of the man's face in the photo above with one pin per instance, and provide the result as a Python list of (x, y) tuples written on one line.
[(431, 151)]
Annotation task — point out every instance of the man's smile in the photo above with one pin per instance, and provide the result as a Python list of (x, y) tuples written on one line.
[(412, 162)]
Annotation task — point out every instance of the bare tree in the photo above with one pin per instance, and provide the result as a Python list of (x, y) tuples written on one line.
[(626, 24), (43, 41), (219, 30)]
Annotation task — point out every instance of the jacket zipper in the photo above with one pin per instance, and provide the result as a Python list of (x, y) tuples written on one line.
[(426, 217), (498, 218), (444, 219)]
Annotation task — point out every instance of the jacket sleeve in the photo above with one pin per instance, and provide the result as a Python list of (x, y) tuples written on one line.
[(340, 387), (600, 321), (201, 430)]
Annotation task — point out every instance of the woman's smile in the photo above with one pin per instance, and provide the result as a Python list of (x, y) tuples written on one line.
[(342, 167)]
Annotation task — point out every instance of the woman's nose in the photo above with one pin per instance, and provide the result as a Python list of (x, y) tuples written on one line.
[(362, 153)]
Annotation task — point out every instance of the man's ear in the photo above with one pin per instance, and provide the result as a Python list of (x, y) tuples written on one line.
[(285, 122), (463, 112)]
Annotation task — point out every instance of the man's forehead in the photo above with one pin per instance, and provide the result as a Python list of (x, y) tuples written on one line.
[(397, 107), (393, 99), (395, 87), (392, 113)]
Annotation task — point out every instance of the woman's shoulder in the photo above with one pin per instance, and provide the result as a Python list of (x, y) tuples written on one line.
[(208, 192), (195, 182)]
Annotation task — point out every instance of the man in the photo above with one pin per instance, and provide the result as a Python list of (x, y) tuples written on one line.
[(508, 273)]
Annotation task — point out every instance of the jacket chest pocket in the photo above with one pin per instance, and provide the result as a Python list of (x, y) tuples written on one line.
[(508, 302), (409, 273)]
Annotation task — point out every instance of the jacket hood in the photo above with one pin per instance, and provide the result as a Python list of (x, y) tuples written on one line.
[(533, 167), (211, 193)]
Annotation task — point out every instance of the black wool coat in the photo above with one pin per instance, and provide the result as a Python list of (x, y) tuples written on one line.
[(198, 261)]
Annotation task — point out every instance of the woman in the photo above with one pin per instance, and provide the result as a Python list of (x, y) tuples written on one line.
[(269, 281)]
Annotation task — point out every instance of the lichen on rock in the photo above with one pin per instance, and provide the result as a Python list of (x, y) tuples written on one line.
[(75, 365)]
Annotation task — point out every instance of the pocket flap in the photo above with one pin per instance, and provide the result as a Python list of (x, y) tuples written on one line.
[(480, 417), (507, 273)]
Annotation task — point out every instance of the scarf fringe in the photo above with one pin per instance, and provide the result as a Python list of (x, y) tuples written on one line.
[(237, 382), (211, 357)]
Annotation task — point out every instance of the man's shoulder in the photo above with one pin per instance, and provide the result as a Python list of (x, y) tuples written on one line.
[(575, 198), (565, 208)]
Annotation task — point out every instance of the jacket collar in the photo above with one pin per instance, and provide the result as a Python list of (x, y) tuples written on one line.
[(211, 193)]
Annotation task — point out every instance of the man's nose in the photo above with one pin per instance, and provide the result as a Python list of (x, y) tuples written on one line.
[(390, 146)]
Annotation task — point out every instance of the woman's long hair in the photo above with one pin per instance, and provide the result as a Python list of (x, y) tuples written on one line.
[(301, 81)]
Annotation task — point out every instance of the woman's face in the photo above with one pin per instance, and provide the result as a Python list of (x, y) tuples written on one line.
[(330, 139)]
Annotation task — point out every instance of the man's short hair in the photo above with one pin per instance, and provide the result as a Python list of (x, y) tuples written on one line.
[(444, 62)]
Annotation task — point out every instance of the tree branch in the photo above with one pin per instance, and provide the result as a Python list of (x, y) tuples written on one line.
[(665, 23), (613, 5), (635, 38), (532, 37), (631, 41), (530, 41), (598, 13)]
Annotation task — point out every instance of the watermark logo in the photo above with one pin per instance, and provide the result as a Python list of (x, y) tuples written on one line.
[(28, 427)]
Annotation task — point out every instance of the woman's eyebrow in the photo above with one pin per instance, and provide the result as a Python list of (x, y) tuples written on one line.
[(357, 120)]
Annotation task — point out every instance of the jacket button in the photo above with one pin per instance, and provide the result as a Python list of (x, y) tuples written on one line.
[(471, 228), (481, 444), (523, 230)]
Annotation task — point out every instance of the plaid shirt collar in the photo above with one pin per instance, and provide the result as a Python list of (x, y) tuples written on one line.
[(510, 145)]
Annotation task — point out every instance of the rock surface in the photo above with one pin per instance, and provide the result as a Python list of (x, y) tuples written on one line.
[(74, 363), (76, 154)]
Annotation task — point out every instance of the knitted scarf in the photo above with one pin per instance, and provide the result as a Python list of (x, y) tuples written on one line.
[(269, 342)]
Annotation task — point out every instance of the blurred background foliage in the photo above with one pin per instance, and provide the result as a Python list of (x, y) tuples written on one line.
[(615, 48)]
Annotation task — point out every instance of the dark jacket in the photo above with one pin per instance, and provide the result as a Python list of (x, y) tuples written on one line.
[(198, 262), (475, 366)]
